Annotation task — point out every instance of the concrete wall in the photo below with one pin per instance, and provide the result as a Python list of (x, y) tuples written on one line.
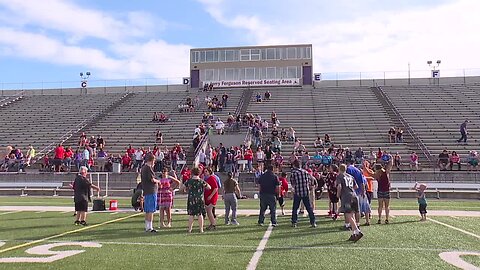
[(397, 82), (98, 90)]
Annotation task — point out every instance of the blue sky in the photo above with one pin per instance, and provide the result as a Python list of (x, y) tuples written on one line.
[(53, 40)]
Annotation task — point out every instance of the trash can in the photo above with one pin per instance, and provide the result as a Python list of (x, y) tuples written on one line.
[(117, 168)]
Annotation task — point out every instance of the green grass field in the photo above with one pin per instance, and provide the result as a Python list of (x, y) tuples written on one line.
[(122, 243)]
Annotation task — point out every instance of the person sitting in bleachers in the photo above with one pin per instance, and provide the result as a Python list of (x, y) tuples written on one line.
[(210, 87), (258, 97), (443, 159), (318, 143), (267, 95), (397, 161), (327, 140), (283, 135), (291, 134), (391, 134), (205, 87), (473, 161), (414, 161), (276, 144), (455, 159), (155, 117), (82, 140), (162, 117), (399, 135)]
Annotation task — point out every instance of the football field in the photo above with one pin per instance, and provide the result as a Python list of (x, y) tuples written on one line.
[(115, 240)]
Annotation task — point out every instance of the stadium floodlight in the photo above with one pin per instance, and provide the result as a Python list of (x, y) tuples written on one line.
[(438, 62), (85, 75), (88, 72), (428, 63)]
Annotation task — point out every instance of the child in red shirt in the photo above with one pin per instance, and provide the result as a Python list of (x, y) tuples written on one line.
[(283, 191)]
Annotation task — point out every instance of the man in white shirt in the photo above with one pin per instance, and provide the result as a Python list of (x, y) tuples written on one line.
[(86, 157), (138, 159), (219, 125)]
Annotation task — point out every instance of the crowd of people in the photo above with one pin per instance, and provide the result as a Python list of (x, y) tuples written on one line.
[(14, 160), (346, 184)]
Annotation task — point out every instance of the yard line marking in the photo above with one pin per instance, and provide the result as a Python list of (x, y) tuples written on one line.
[(454, 228), (114, 213), (65, 212), (67, 233), (254, 247), (454, 217), (252, 265), (11, 212), (40, 212)]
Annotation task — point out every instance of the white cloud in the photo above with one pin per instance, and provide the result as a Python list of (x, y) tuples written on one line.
[(70, 18), (55, 31), (373, 40)]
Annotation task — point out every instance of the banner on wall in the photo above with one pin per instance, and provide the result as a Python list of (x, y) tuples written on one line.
[(253, 83)]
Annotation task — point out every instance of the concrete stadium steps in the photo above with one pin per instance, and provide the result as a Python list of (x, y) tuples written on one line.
[(352, 116), (436, 112), (131, 122), (41, 120)]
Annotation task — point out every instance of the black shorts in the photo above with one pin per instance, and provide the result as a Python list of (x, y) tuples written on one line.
[(422, 208), (281, 201), (333, 198), (81, 206)]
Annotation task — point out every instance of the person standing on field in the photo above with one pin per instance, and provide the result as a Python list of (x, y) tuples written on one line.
[(346, 186), (150, 189), (231, 191), (81, 188)]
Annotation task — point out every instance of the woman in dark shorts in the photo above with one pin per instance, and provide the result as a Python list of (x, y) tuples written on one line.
[(382, 175)]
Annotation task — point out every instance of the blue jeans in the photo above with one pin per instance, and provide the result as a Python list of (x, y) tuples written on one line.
[(268, 200), (296, 204), (249, 165)]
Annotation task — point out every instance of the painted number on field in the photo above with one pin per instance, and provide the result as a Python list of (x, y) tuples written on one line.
[(454, 259), (53, 255)]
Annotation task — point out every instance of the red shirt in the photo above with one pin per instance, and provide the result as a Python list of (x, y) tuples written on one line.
[(186, 174), (131, 151), (69, 154), (126, 160), (59, 152), (212, 181), (283, 186), (248, 155)]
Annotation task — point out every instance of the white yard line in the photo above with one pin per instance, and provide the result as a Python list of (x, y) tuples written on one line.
[(252, 265), (406, 249), (7, 213), (454, 228)]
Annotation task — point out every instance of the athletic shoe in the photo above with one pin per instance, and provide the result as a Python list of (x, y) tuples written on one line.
[(235, 223), (153, 231), (260, 224), (77, 223), (314, 225), (227, 223), (294, 225), (379, 222), (358, 237), (274, 224), (83, 223), (352, 237), (386, 221)]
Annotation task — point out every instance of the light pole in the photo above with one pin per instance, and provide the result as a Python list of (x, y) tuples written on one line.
[(84, 81), (435, 71)]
